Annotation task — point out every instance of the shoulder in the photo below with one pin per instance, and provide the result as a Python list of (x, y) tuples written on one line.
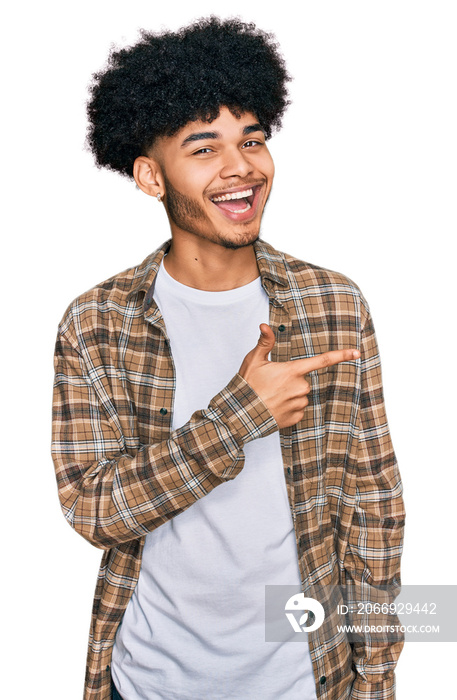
[(306, 273), (298, 277), (113, 301)]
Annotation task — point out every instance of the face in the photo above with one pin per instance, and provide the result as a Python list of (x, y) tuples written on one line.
[(217, 179)]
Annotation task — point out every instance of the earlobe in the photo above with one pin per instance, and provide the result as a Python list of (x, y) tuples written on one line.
[(148, 176)]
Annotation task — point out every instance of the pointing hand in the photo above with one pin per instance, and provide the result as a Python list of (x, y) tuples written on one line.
[(282, 386)]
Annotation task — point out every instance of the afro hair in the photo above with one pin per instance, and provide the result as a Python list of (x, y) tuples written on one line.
[(168, 79)]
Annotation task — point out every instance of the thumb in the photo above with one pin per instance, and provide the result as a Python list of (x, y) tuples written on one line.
[(266, 342), (259, 353)]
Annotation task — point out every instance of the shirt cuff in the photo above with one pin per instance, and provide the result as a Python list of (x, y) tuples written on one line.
[(382, 690), (243, 412)]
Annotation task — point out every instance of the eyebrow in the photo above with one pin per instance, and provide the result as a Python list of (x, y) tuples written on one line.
[(198, 136)]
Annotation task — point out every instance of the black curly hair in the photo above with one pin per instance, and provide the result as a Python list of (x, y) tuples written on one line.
[(168, 79)]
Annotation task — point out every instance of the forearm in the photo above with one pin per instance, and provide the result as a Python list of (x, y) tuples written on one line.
[(375, 537), (122, 497)]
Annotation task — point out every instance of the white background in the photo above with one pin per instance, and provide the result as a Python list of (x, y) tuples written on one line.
[(365, 184)]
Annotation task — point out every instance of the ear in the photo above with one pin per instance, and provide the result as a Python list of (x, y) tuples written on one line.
[(148, 176)]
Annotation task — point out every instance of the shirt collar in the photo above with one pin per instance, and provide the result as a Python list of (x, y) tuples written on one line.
[(146, 273), (269, 261)]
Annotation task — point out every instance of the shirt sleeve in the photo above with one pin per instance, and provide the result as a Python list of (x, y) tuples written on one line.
[(375, 539), (111, 497)]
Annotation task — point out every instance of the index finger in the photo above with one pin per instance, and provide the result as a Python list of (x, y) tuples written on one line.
[(327, 359)]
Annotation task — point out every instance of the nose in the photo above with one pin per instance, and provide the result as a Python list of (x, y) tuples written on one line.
[(236, 164)]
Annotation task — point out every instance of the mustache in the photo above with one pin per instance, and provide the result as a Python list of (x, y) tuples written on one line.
[(246, 184)]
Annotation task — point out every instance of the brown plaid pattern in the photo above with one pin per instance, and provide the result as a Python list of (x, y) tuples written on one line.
[(122, 472)]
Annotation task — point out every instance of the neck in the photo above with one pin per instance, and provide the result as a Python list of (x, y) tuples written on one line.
[(208, 266)]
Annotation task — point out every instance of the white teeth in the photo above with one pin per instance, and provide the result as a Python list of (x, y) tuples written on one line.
[(233, 195)]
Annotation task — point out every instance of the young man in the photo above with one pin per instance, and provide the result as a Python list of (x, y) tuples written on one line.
[(208, 462)]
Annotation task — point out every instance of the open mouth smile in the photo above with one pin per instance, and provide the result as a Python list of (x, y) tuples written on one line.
[(240, 205)]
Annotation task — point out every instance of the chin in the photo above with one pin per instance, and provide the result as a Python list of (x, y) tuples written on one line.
[(233, 245), (241, 240)]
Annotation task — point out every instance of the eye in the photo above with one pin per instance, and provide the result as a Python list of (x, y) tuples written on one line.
[(202, 150), (251, 143)]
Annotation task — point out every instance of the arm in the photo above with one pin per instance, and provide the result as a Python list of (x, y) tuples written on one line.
[(375, 538), (111, 497)]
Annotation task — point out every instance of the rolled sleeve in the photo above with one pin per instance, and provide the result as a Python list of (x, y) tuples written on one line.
[(111, 496)]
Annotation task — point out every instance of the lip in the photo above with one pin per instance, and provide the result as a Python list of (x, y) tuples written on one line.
[(241, 216)]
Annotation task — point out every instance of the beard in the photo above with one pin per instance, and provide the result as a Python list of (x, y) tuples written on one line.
[(189, 215)]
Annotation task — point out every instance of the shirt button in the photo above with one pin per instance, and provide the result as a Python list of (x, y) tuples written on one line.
[(163, 411), (281, 328), (322, 680)]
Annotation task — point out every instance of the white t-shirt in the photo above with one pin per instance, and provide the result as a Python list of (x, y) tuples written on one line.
[(195, 625)]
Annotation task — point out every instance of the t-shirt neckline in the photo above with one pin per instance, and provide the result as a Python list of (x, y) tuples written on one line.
[(208, 297)]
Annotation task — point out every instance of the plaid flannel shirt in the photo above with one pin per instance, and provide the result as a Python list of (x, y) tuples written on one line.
[(121, 470)]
